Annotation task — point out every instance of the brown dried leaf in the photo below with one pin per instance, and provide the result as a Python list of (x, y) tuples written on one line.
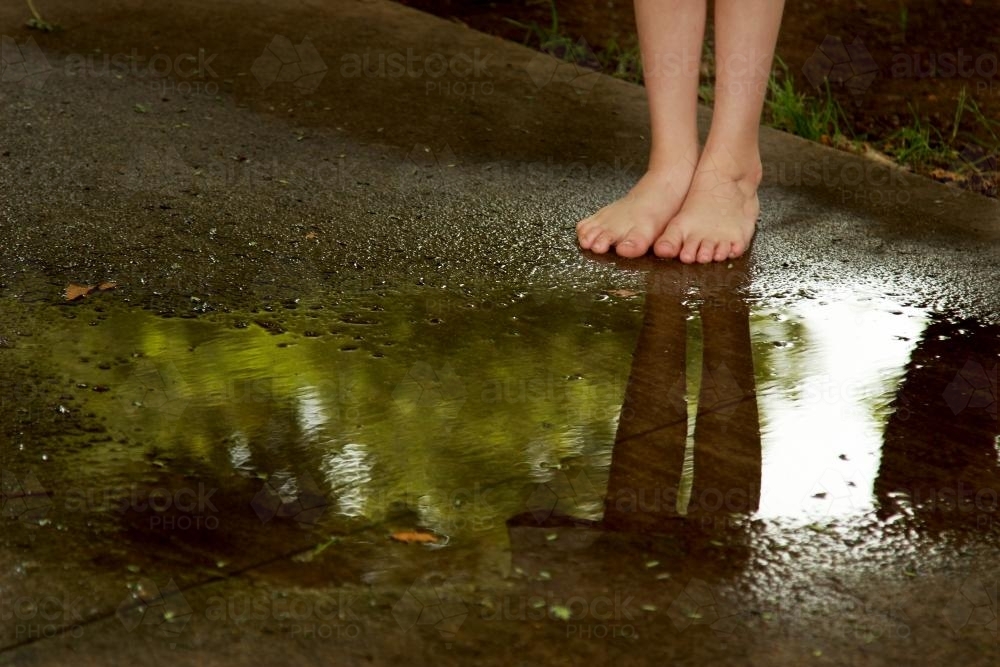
[(943, 175), (107, 285), (75, 291)]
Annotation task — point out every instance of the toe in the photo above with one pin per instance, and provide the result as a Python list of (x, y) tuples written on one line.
[(706, 252), (633, 245), (588, 235), (737, 250), (602, 243), (722, 252), (689, 253), (670, 242)]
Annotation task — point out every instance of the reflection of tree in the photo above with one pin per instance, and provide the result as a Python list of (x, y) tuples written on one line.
[(509, 379), (940, 456)]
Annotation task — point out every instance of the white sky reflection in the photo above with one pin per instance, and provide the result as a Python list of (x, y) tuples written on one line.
[(835, 367)]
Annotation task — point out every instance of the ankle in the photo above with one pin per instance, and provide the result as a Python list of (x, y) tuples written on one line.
[(743, 166), (678, 163), (667, 149)]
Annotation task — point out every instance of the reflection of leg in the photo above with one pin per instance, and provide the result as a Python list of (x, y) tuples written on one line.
[(649, 447), (727, 454)]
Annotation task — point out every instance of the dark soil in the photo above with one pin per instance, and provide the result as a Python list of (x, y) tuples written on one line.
[(924, 61)]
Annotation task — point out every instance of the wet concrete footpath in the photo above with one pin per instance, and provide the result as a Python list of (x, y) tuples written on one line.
[(351, 395)]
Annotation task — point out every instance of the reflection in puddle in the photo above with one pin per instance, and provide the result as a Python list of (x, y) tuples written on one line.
[(832, 371), (462, 416), (447, 410)]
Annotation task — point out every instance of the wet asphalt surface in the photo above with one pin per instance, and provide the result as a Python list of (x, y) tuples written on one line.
[(349, 305)]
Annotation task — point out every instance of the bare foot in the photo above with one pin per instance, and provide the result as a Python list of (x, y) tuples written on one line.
[(718, 218), (632, 223)]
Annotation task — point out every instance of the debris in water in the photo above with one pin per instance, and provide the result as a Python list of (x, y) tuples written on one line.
[(623, 293), (414, 536), (76, 291)]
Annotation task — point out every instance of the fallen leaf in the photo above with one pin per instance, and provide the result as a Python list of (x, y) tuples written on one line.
[(75, 291), (312, 235), (414, 536), (107, 285), (624, 293), (944, 175)]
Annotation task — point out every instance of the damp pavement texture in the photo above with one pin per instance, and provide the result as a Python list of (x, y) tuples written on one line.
[(349, 305)]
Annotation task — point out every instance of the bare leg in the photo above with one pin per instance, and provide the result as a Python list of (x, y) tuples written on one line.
[(670, 38), (720, 213)]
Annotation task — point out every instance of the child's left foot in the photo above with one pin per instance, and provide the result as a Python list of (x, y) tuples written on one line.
[(720, 213)]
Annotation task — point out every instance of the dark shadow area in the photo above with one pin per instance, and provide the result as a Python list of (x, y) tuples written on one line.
[(940, 463)]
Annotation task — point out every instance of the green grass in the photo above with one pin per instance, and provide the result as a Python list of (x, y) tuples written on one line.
[(991, 127), (552, 40), (919, 146), (36, 21), (619, 59), (814, 118), (622, 61)]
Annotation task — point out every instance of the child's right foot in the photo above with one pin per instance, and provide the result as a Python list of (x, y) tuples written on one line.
[(635, 221)]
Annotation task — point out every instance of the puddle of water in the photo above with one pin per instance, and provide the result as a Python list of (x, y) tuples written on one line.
[(827, 374), (453, 411), (457, 416)]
